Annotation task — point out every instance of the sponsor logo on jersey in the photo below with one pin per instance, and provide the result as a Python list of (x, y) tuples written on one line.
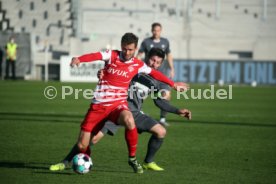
[(130, 68), (117, 72)]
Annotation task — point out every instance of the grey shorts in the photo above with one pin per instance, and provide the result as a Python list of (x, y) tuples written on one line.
[(143, 123), (110, 128)]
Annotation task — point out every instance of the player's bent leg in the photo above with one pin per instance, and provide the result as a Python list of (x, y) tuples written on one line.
[(131, 136), (96, 138), (154, 144), (83, 141), (94, 141), (126, 119), (158, 130), (167, 95), (82, 145)]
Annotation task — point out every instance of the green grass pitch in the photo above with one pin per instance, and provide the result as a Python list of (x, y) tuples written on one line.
[(228, 141)]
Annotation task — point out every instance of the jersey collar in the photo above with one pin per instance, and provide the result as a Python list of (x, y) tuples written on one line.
[(125, 61)]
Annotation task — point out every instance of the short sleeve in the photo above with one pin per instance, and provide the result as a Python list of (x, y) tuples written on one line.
[(168, 49)]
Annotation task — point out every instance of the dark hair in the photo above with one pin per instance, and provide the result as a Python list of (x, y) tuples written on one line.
[(129, 38), (156, 52), (155, 24)]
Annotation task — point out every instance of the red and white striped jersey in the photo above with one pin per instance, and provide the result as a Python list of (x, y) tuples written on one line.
[(117, 76)]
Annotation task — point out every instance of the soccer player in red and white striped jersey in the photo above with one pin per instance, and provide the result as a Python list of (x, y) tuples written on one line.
[(110, 96)]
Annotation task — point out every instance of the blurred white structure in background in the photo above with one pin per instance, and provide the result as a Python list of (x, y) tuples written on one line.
[(197, 29)]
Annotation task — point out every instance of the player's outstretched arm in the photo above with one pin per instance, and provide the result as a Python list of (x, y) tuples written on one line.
[(85, 58), (165, 105), (161, 77), (178, 86)]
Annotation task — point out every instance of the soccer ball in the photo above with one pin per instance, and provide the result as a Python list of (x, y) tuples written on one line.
[(253, 83), (82, 163), (220, 82)]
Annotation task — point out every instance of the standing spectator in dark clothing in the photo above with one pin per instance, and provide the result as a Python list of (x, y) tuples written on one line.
[(167, 68), (11, 50)]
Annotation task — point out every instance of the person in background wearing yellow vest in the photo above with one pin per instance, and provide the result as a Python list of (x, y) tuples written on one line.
[(11, 49), (1, 59)]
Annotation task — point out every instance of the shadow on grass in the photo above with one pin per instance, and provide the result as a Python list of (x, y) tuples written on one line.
[(22, 165), (112, 171), (41, 114), (55, 173), (67, 172), (43, 168), (228, 123), (48, 117), (41, 120)]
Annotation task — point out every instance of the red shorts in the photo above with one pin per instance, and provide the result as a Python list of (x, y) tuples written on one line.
[(97, 114)]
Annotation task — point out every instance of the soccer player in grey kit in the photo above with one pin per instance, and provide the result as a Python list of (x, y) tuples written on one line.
[(167, 68)]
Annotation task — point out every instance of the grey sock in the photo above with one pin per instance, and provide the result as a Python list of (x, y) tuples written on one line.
[(154, 145), (163, 114)]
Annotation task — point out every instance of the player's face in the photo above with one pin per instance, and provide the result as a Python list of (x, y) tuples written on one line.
[(128, 51), (156, 32), (155, 62)]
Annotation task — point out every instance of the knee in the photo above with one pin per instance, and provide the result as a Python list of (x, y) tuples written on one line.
[(161, 132), (129, 122), (82, 146), (169, 96), (166, 95), (95, 140)]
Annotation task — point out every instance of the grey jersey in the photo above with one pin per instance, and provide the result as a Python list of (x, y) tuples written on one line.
[(149, 43), (140, 87), (163, 44)]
